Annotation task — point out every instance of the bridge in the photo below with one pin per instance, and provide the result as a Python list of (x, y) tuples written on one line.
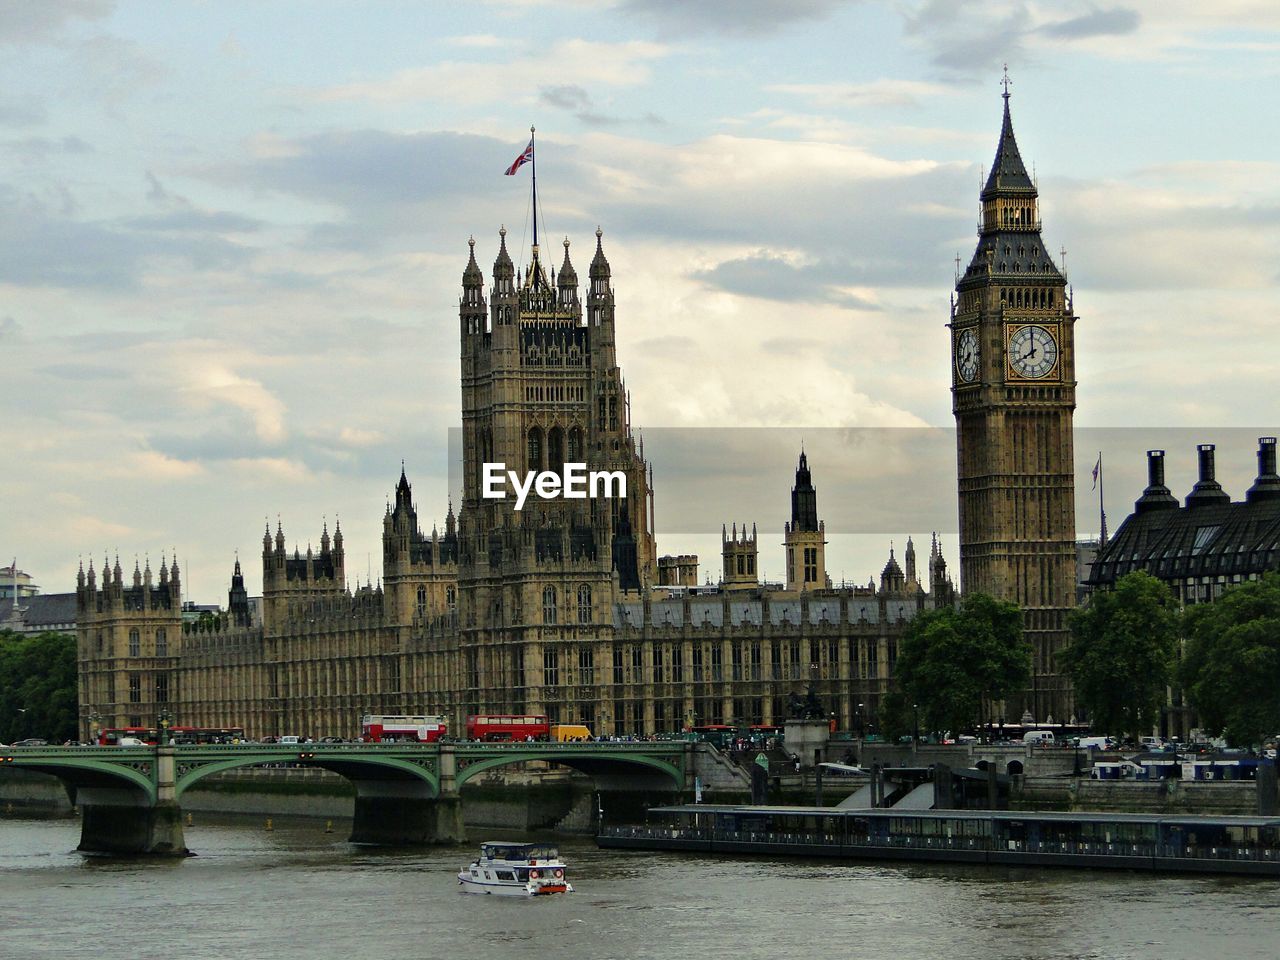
[(130, 797)]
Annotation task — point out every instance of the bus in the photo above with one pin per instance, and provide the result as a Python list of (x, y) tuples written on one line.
[(112, 736), (402, 729), (721, 734), (508, 726)]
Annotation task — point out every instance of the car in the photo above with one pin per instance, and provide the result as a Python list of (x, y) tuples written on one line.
[(31, 742), (332, 740)]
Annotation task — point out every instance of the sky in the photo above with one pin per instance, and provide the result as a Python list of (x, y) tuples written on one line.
[(232, 237)]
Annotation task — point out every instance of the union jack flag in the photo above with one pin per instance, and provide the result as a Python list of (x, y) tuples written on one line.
[(521, 160)]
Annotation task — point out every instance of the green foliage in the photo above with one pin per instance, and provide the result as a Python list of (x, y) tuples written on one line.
[(1123, 652), (953, 661), (37, 687), (1231, 670)]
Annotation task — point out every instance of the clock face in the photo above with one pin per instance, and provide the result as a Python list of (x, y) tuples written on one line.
[(1033, 353), (967, 356)]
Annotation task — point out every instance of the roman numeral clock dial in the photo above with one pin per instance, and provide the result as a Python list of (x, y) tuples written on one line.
[(966, 356), (1032, 351)]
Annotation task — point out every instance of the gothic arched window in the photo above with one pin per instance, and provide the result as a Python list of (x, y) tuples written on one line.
[(162, 643), (135, 643), (549, 605), (555, 450), (535, 449), (584, 603), (575, 445), (422, 601)]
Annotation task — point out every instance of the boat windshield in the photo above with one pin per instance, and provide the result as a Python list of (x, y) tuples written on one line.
[(519, 851)]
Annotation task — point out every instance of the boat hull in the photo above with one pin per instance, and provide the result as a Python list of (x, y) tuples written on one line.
[(470, 884)]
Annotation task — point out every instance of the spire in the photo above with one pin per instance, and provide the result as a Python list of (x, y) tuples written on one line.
[(804, 498), (599, 265), (471, 275), (1008, 172), (504, 270)]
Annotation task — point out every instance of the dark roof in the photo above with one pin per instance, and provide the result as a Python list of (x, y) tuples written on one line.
[(1019, 255), (1220, 539), (1008, 172), (43, 610)]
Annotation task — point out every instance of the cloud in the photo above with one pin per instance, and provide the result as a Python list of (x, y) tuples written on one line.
[(774, 277), (576, 100), (743, 18), (43, 149), (1115, 21), (45, 247), (589, 63), (877, 93), (43, 20)]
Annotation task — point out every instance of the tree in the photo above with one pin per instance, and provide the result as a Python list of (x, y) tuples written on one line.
[(952, 661), (37, 686), (1122, 654), (1232, 664)]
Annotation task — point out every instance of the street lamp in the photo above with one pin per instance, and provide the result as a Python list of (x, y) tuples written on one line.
[(915, 718), (860, 733), (163, 720), (95, 724)]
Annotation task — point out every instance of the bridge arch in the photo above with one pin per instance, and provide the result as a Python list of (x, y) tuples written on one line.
[(421, 773), (591, 761)]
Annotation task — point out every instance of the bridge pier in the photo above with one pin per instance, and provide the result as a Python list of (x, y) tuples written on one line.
[(125, 821), (392, 821), (399, 812)]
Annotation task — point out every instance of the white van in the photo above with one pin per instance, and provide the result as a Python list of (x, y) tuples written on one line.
[(1094, 743), (290, 739), (1041, 737), (131, 742)]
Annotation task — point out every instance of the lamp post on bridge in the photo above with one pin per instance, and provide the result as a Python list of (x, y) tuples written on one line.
[(94, 720), (163, 721)]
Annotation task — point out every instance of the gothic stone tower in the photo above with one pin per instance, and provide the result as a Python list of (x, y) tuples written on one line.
[(805, 536), (127, 643), (541, 388), (1013, 393)]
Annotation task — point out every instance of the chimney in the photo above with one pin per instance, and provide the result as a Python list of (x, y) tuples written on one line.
[(1157, 495), (1267, 486), (1207, 491)]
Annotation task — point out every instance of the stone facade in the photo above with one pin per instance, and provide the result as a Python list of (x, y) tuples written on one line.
[(557, 608), (1013, 396)]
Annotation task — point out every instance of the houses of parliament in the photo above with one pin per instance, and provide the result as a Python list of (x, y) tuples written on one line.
[(565, 607)]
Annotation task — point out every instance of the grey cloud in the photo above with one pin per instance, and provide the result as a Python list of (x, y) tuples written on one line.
[(41, 247), (1115, 21), (567, 96), (744, 18), (43, 20), (9, 329), (964, 38), (21, 113), (576, 100), (773, 278), (40, 149), (195, 221)]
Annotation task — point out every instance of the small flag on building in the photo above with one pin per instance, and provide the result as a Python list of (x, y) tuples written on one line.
[(521, 160), (1097, 469)]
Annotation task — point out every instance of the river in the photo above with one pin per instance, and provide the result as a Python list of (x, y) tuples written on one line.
[(297, 892)]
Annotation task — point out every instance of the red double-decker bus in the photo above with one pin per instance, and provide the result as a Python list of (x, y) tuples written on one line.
[(508, 726), (402, 729), (112, 736)]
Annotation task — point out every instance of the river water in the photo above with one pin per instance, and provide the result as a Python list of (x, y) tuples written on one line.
[(297, 892)]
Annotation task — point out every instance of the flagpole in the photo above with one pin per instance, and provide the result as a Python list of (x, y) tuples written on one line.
[(1102, 509), (533, 159)]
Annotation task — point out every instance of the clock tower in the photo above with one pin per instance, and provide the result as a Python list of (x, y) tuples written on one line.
[(1013, 394)]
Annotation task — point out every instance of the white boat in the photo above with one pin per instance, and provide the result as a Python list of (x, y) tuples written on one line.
[(516, 870)]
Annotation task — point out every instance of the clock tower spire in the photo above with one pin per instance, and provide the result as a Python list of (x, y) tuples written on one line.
[(1013, 396)]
